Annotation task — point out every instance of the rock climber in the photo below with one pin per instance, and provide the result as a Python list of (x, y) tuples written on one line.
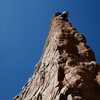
[(64, 15)]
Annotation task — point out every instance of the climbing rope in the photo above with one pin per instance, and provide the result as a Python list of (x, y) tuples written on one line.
[(52, 91)]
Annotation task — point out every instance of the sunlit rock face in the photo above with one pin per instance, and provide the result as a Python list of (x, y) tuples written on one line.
[(67, 69)]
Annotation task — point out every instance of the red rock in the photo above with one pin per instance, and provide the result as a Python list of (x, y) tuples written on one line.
[(67, 69)]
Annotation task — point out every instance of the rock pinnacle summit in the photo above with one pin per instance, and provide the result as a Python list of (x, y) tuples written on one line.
[(67, 69)]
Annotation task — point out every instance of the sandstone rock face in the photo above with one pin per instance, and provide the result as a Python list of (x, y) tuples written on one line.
[(67, 69)]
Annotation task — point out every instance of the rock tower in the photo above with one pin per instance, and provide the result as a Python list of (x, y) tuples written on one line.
[(67, 69)]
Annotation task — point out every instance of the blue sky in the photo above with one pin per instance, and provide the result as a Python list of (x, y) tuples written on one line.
[(24, 28)]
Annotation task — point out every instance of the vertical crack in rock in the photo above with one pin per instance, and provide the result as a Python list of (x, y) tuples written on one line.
[(67, 69)]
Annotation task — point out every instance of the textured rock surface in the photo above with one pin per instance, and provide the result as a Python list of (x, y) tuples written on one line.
[(67, 69)]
